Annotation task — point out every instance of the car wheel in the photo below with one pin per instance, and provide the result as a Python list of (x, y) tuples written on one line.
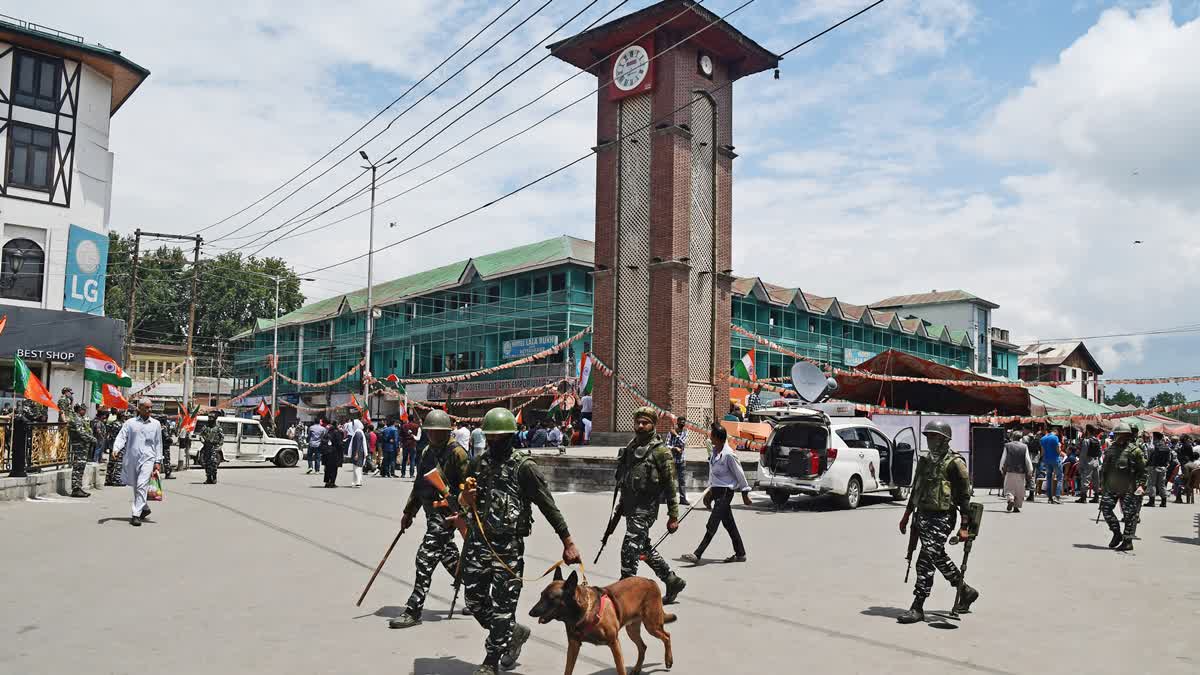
[(853, 493), (287, 458), (899, 493), (779, 497)]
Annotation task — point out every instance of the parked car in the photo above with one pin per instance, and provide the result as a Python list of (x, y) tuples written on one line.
[(246, 440), (810, 452)]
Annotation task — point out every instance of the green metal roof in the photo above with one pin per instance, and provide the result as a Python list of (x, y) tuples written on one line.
[(493, 265), (1061, 402)]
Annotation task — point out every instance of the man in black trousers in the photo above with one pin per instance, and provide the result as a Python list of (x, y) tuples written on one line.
[(725, 477)]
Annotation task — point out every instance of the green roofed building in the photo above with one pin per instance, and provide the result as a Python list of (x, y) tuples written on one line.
[(501, 306)]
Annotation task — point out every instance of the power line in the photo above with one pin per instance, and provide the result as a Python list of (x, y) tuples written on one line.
[(397, 117), (376, 116), (464, 99), (477, 132)]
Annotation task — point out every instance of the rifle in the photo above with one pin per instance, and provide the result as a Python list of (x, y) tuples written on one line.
[(613, 521), (976, 511), (668, 532), (458, 573), (379, 567), (914, 537)]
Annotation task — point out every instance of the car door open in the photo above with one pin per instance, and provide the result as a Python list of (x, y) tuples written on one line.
[(904, 457)]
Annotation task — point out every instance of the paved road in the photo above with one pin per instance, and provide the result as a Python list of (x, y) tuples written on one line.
[(260, 572)]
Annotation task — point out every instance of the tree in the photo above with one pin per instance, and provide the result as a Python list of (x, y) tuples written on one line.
[(1164, 398), (1123, 397), (229, 296)]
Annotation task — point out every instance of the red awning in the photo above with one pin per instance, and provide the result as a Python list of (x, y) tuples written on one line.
[(962, 399)]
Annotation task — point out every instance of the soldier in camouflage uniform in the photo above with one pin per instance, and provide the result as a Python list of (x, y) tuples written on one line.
[(1123, 476), (502, 484), (82, 441), (1159, 456), (941, 485), (445, 454), (66, 404), (112, 473), (646, 476), (211, 440), (165, 423)]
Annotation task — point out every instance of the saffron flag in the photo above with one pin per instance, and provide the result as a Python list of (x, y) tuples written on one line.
[(585, 374), (365, 415), (262, 410), (519, 413), (29, 385), (109, 396), (100, 367), (744, 369), (3, 322)]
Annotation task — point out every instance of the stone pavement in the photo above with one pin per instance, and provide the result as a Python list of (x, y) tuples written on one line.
[(260, 572)]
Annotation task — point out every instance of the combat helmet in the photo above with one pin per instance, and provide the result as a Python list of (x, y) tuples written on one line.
[(647, 412), (499, 421), (937, 427), (436, 420), (1123, 428)]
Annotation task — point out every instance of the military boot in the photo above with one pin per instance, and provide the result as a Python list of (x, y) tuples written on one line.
[(1116, 540), (1126, 544), (675, 586), (488, 667), (78, 492), (1163, 503), (915, 614), (966, 597), (406, 620), (520, 635)]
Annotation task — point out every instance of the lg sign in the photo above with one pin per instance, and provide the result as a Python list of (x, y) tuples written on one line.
[(88, 290)]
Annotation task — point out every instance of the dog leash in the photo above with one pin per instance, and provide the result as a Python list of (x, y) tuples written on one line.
[(511, 571)]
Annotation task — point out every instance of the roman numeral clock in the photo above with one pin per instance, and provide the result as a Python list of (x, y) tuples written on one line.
[(664, 167)]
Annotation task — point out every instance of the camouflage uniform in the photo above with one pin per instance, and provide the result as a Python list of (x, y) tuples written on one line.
[(646, 474), (166, 446), (1159, 456), (438, 543), (82, 441), (941, 485), (112, 473), (66, 407), (505, 491), (1124, 470), (211, 439)]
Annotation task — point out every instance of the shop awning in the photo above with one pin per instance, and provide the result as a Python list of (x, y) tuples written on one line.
[(967, 398)]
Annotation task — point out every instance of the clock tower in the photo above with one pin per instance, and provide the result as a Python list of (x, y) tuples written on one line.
[(664, 172)]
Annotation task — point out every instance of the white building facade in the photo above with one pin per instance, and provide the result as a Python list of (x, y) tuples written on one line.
[(57, 97)]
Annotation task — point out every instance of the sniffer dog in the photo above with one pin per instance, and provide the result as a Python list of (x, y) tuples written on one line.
[(596, 615)]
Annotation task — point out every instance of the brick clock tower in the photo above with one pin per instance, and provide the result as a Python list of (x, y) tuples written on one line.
[(664, 184)]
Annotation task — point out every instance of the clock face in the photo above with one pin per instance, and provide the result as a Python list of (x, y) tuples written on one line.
[(630, 68), (706, 65)]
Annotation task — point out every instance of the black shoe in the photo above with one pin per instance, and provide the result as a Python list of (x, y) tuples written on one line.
[(736, 558), (145, 512), (1163, 503), (1016, 510), (1178, 500), (1148, 504), (968, 596), (1081, 500), (135, 521), (1126, 544), (520, 635), (1095, 500), (915, 614), (466, 611), (405, 620), (79, 493), (1010, 507), (1116, 540), (675, 586)]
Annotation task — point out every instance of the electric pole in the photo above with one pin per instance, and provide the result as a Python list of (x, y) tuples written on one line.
[(137, 244), (370, 280)]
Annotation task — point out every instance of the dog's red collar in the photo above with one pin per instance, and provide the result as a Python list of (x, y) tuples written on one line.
[(594, 621)]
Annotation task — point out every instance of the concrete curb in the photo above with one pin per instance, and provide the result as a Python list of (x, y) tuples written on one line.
[(48, 483)]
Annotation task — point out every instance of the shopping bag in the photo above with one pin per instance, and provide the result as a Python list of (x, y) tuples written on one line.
[(155, 492)]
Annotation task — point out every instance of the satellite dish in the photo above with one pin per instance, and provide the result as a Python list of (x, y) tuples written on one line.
[(809, 381)]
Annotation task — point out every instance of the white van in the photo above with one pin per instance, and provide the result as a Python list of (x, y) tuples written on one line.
[(812, 453), (246, 440)]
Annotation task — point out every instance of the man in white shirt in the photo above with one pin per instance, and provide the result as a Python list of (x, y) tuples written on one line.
[(463, 435), (725, 478), (140, 441)]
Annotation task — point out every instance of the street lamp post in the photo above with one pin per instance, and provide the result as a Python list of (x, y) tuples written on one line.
[(274, 345), (370, 280)]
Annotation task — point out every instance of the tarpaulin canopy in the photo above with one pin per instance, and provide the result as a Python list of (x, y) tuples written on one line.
[(966, 399), (1153, 422)]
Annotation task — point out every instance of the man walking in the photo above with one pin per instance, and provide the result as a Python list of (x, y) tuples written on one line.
[(1016, 467), (389, 443), (478, 442), (1052, 463), (646, 475), (725, 478), (211, 440), (677, 441), (1123, 476), (1160, 461), (1088, 467), (450, 458), (316, 436), (502, 485), (139, 442), (408, 444), (82, 441), (941, 485)]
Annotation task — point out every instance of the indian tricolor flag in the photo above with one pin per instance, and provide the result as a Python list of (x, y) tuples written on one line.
[(100, 367), (744, 369), (586, 374), (29, 385)]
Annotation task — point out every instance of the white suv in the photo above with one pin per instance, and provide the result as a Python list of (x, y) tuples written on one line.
[(808, 452), (245, 439)]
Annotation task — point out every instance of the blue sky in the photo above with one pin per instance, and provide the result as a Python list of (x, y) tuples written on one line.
[(1012, 148)]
